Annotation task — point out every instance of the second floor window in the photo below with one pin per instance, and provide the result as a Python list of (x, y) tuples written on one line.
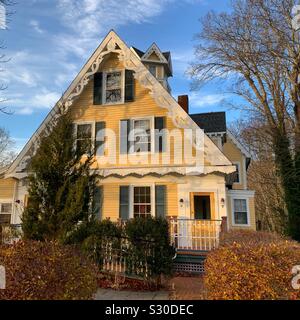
[(113, 87), (142, 135), (83, 138)]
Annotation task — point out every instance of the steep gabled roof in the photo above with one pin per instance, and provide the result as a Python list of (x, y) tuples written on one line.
[(112, 43)]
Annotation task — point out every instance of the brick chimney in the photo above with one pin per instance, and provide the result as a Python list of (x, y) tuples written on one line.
[(183, 101)]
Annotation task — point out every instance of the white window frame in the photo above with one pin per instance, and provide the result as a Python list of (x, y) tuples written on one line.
[(152, 137), (6, 201), (238, 164), (232, 211), (104, 74), (131, 197)]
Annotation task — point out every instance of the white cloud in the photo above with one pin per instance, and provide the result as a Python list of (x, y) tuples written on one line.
[(91, 17), (16, 70), (27, 105), (201, 101), (36, 26), (181, 61)]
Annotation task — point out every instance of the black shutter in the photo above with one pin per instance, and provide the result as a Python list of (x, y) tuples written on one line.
[(124, 203), (124, 136), (129, 86), (161, 201), (98, 88), (98, 202), (99, 138), (160, 140)]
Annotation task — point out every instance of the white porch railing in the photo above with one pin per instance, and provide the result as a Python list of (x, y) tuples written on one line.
[(191, 234)]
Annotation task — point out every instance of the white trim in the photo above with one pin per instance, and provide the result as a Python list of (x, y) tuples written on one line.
[(154, 49), (241, 193), (104, 74), (131, 197), (248, 224)]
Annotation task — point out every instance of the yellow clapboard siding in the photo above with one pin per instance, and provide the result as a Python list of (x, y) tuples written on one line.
[(144, 105), (235, 155), (7, 187), (111, 199)]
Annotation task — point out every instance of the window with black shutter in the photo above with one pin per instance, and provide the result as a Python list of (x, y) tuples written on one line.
[(98, 84), (124, 203), (129, 86), (160, 134), (161, 201)]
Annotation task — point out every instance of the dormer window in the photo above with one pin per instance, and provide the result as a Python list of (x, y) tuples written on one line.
[(113, 87), (152, 69)]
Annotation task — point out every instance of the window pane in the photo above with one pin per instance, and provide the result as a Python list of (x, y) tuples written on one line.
[(142, 201), (5, 218), (240, 218), (84, 131), (113, 95), (152, 69), (142, 136), (240, 211), (240, 205), (6, 208), (113, 80)]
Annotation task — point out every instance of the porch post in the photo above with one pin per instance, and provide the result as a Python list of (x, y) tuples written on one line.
[(224, 227)]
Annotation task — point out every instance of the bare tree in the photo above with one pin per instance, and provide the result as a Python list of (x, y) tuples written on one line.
[(6, 148), (256, 48), (262, 177), (5, 4)]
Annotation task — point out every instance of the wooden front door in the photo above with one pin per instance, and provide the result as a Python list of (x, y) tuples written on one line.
[(202, 206)]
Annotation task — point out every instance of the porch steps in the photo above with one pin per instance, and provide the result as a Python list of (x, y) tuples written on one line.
[(191, 262)]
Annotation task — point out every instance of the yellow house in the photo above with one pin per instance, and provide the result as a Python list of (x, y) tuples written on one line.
[(153, 157)]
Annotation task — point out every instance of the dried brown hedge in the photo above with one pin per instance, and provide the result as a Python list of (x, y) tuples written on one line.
[(46, 271), (252, 265)]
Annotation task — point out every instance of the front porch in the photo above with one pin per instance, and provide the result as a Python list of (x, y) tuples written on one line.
[(193, 239), (194, 234)]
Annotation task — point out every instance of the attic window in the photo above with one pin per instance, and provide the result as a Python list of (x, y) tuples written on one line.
[(113, 87), (152, 69)]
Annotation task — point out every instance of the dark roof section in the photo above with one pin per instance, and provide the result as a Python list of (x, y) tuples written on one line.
[(211, 122), (139, 52), (167, 55)]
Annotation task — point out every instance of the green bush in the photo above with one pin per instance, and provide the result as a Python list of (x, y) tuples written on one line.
[(144, 243), (252, 265), (150, 241), (46, 271)]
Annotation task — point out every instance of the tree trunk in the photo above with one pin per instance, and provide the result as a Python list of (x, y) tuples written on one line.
[(288, 173)]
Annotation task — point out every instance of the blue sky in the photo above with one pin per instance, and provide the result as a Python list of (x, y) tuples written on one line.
[(48, 41)]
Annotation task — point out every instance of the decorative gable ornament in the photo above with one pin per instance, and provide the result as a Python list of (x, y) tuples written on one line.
[(113, 44), (154, 49)]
